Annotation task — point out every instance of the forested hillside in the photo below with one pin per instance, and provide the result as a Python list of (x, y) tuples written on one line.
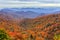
[(40, 28)]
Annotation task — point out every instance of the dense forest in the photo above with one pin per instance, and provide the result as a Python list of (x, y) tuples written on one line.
[(40, 28)]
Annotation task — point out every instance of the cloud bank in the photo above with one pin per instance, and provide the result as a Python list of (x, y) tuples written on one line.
[(29, 3)]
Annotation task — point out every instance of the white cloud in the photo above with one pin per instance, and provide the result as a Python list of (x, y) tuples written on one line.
[(28, 5), (19, 4)]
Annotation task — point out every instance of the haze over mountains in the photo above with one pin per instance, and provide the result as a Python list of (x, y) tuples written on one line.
[(28, 12)]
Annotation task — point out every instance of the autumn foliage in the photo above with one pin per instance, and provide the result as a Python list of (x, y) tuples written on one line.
[(40, 28)]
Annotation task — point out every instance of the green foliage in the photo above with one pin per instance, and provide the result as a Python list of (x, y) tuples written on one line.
[(4, 35), (57, 37)]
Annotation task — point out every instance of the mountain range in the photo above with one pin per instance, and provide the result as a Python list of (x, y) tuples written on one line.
[(28, 12)]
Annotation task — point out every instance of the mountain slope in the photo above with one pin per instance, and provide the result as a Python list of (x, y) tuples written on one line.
[(44, 27), (39, 28)]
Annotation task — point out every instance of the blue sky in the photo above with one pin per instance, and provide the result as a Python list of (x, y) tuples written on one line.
[(29, 3)]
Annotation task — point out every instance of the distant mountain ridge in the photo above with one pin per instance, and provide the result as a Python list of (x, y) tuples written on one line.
[(28, 12), (38, 10)]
